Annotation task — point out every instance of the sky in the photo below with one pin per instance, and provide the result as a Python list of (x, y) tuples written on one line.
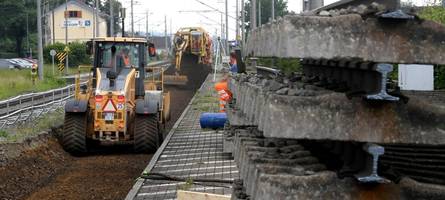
[(179, 14)]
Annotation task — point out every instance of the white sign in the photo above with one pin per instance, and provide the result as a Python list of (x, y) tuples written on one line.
[(77, 23), (109, 107), (416, 77), (52, 52)]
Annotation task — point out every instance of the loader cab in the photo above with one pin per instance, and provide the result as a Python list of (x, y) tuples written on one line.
[(196, 42), (118, 57)]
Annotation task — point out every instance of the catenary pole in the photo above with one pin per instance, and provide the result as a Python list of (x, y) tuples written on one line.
[(165, 34), (253, 13), (273, 10), (227, 27), (97, 17), (40, 45), (243, 23), (237, 20), (111, 19), (66, 36), (132, 20)]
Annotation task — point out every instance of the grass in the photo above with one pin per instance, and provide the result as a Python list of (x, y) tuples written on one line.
[(3, 134), (205, 99), (16, 82), (83, 69), (187, 185), (206, 103), (33, 128)]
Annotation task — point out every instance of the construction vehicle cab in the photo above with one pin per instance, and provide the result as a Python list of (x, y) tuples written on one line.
[(116, 106)]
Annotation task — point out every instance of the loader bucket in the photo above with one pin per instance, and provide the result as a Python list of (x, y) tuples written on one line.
[(175, 80)]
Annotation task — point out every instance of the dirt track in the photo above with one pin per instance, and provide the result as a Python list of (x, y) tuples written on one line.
[(45, 171)]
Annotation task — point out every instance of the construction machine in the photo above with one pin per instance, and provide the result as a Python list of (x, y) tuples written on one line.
[(190, 41), (118, 104)]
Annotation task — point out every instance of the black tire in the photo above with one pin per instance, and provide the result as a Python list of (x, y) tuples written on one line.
[(74, 133), (146, 138)]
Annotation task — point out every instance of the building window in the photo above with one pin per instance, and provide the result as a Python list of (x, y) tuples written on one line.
[(73, 14)]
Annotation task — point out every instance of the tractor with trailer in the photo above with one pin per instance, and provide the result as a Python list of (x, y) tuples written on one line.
[(118, 104), (195, 44)]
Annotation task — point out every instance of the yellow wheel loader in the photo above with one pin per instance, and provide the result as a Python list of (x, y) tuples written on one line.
[(118, 105)]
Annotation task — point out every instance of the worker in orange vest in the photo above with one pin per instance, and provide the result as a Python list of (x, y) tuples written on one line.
[(124, 58), (121, 60), (233, 63), (224, 93)]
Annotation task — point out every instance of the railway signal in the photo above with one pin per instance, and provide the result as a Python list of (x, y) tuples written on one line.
[(34, 70)]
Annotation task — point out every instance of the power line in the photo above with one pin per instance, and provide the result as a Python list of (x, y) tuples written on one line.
[(215, 9), (196, 11), (218, 23)]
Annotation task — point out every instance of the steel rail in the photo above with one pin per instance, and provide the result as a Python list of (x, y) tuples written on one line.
[(16, 103), (31, 112)]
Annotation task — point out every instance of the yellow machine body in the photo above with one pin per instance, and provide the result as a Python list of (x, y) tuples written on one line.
[(118, 104)]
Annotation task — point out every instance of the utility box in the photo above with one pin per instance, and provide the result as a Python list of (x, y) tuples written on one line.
[(416, 77)]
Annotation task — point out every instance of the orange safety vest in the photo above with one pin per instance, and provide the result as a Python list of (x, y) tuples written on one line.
[(126, 60), (151, 50), (224, 94)]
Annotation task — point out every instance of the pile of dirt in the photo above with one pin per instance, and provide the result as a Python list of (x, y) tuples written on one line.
[(104, 176), (29, 165)]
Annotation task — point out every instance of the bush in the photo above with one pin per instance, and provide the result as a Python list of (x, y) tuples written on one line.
[(433, 13), (77, 54), (289, 65), (439, 77), (286, 65), (59, 47)]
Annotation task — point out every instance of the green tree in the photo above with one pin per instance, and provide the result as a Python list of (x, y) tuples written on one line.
[(13, 23), (266, 10)]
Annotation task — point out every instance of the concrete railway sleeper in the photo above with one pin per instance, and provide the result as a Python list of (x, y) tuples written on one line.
[(311, 169), (300, 137), (368, 80)]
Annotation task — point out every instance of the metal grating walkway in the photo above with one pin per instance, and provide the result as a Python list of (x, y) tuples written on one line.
[(190, 152)]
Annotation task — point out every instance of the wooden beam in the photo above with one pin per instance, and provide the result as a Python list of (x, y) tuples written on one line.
[(189, 195)]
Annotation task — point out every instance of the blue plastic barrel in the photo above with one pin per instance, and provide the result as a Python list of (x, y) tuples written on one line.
[(213, 120)]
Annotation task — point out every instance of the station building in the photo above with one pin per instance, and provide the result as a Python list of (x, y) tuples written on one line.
[(80, 19)]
